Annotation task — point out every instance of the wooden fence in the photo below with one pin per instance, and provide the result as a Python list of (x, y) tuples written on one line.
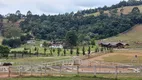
[(61, 70)]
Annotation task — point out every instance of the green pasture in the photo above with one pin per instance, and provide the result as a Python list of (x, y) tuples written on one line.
[(35, 59)]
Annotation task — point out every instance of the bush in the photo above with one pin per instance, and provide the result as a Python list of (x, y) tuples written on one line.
[(13, 42), (4, 51)]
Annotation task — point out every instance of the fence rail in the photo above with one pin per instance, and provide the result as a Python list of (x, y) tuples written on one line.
[(42, 70)]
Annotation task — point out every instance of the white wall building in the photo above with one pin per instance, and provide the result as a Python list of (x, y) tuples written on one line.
[(56, 46)]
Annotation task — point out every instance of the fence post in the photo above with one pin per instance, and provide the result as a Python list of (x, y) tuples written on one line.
[(20, 71), (22, 55), (95, 72), (116, 72), (60, 70), (31, 70), (9, 71), (78, 69), (41, 71), (45, 69)]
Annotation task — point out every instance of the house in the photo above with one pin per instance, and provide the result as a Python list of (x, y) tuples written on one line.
[(41, 45), (113, 44), (56, 46)]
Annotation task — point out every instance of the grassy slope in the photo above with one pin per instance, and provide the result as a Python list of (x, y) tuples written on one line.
[(126, 10), (5, 22), (132, 36)]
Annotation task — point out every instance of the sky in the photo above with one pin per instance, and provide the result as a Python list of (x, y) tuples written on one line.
[(51, 6)]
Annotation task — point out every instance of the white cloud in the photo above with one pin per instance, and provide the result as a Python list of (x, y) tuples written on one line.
[(50, 6)]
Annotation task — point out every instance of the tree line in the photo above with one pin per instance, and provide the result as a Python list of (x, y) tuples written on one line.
[(119, 5)]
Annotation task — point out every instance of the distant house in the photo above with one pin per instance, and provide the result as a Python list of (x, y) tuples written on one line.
[(113, 44), (41, 45), (56, 46), (31, 42)]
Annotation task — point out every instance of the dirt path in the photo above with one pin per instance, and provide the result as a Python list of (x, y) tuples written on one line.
[(6, 76)]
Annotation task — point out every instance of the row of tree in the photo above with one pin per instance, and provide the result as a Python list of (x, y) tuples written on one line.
[(61, 52)]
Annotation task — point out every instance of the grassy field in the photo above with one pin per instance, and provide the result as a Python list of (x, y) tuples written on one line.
[(132, 36), (127, 10), (35, 59)]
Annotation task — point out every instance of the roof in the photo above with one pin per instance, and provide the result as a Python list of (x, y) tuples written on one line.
[(113, 43)]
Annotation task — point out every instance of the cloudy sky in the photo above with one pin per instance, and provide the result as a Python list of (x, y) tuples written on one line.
[(51, 6)]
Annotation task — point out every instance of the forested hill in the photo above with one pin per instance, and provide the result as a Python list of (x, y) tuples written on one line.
[(55, 27)]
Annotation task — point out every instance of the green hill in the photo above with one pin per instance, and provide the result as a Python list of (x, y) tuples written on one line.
[(132, 36)]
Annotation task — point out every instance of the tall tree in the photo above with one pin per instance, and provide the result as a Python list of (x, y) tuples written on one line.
[(45, 51), (29, 13), (83, 50), (51, 53), (64, 52), (18, 12), (71, 38), (71, 51), (89, 51), (58, 51), (77, 51), (30, 52)]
